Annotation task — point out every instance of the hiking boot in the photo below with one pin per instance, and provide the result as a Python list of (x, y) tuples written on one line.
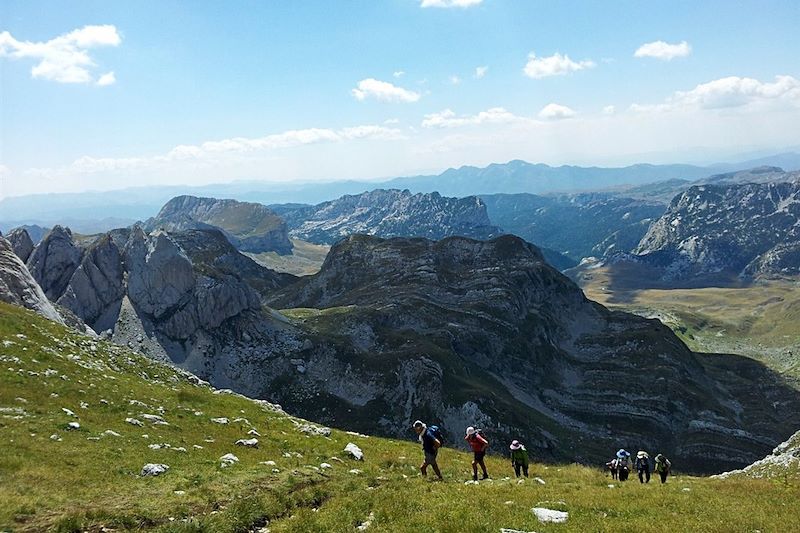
[(475, 478), (485, 476)]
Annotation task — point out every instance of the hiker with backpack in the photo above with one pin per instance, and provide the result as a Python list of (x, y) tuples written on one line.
[(643, 466), (479, 445), (431, 439), (519, 457), (623, 464), (663, 467)]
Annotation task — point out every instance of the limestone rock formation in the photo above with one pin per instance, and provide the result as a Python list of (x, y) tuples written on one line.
[(53, 262), (390, 213), (21, 243), (250, 227), (18, 287)]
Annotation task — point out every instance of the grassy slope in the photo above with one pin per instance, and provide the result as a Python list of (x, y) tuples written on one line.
[(82, 483), (761, 320), (306, 258)]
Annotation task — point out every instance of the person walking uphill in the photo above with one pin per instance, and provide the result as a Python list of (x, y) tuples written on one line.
[(663, 467), (623, 464), (643, 466), (479, 446), (431, 439), (519, 457)]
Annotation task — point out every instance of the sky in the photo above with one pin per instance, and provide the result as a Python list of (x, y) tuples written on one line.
[(99, 95)]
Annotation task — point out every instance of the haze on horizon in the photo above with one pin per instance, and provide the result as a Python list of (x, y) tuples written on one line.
[(99, 96)]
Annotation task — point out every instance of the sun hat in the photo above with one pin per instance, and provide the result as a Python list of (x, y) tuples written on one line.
[(641, 454), (418, 424), (622, 453), (515, 445), (470, 431)]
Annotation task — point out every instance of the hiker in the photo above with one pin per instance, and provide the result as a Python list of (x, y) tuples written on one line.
[(479, 446), (643, 466), (612, 467), (623, 464), (519, 457), (663, 467), (431, 439)]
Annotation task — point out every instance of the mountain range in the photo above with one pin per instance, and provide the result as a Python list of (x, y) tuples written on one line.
[(94, 212)]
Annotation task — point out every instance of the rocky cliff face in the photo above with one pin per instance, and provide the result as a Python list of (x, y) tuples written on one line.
[(21, 243), (749, 229), (53, 261), (466, 332), (250, 227), (18, 287), (390, 213)]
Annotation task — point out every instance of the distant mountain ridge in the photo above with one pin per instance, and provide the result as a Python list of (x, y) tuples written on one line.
[(745, 229), (250, 227), (389, 213), (512, 177)]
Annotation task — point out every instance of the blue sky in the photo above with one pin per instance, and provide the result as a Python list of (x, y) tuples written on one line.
[(100, 95)]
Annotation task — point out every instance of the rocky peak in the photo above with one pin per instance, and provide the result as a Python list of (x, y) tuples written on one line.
[(21, 242), (250, 227), (390, 213), (18, 287), (724, 228), (53, 261)]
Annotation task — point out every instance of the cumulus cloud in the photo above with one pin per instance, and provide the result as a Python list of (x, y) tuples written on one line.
[(448, 118), (554, 65), (383, 91), (64, 59), (663, 51), (556, 112), (107, 79), (731, 92), (449, 3), (609, 110), (398, 73), (454, 80), (480, 72)]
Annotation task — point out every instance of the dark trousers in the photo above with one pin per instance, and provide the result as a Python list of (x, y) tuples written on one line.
[(523, 467), (644, 475), (622, 473), (663, 476)]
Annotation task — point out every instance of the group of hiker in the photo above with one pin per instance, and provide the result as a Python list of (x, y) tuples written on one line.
[(621, 465), (432, 439)]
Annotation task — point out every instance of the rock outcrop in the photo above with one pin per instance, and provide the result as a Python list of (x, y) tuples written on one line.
[(53, 262), (18, 287), (250, 227), (95, 290), (390, 213), (733, 230), (21, 243)]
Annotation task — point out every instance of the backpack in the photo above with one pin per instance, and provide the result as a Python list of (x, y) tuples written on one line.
[(437, 432)]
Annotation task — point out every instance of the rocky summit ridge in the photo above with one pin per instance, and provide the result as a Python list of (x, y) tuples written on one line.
[(250, 227), (749, 229), (389, 213)]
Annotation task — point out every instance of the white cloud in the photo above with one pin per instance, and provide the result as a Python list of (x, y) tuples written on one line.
[(731, 92), (64, 59), (556, 112), (480, 72), (398, 73), (383, 91), (609, 110), (449, 3), (217, 151), (448, 118), (554, 65), (107, 79), (454, 80), (663, 51)]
